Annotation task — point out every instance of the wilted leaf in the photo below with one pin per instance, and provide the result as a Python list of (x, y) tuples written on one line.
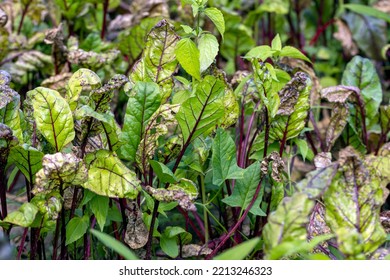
[(59, 170), (244, 191), (340, 94), (344, 35), (195, 250), (140, 108), (352, 202), (136, 235), (294, 105), (108, 176), (199, 113), (337, 123), (288, 222), (322, 160), (53, 116), (224, 161), (91, 59)]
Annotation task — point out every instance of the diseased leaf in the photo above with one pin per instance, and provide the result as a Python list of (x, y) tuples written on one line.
[(337, 123), (24, 216), (352, 202), (224, 161), (99, 207), (245, 189), (76, 228), (140, 108), (137, 234), (208, 49), (49, 205), (59, 169), (163, 173), (82, 79), (158, 62), (53, 116), (9, 106), (288, 222), (340, 94), (216, 17), (188, 56), (294, 105), (108, 176), (27, 159), (200, 113)]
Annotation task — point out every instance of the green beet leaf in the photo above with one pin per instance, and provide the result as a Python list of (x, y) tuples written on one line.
[(27, 159), (24, 216), (114, 244), (216, 17), (208, 49), (163, 173), (170, 239), (239, 252), (76, 228), (200, 113), (224, 161), (188, 56), (140, 107), (99, 207), (53, 116), (287, 223), (361, 73), (245, 189), (108, 176)]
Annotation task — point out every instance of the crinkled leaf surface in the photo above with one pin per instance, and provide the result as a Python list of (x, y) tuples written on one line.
[(140, 107), (158, 61), (82, 79), (53, 116), (24, 216), (224, 161), (361, 73), (27, 159), (288, 222), (337, 123), (294, 105), (352, 202), (200, 113), (245, 189), (108, 176), (9, 108), (59, 169)]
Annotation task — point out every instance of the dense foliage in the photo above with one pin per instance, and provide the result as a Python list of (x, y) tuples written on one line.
[(194, 129)]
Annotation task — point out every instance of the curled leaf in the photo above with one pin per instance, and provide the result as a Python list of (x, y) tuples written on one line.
[(136, 235), (59, 170)]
